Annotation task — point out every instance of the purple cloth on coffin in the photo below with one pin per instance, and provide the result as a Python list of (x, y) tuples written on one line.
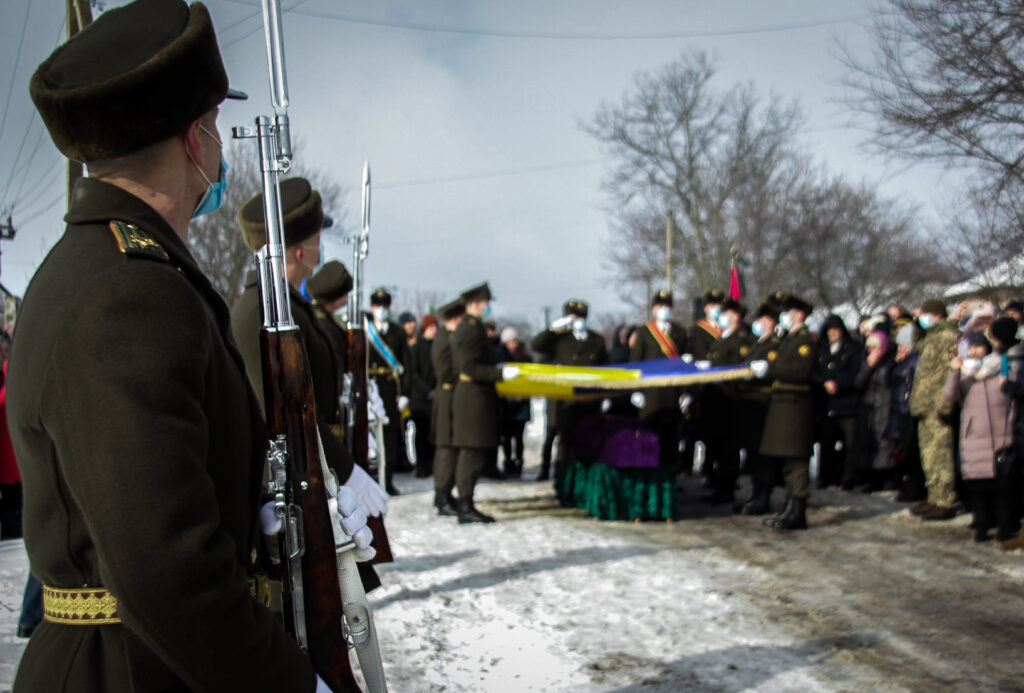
[(615, 442)]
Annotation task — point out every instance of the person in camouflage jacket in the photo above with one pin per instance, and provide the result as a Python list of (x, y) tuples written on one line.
[(932, 410)]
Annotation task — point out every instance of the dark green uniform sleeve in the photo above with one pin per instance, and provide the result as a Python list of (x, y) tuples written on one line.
[(468, 344), (128, 412)]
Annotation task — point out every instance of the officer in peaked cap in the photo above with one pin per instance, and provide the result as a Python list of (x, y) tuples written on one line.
[(569, 342), (303, 217), (445, 453), (329, 288), (475, 401), (139, 440), (660, 338), (788, 429), (391, 384)]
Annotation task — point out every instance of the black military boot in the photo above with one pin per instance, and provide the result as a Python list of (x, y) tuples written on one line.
[(783, 514), (445, 504), (760, 501), (468, 512), (797, 518)]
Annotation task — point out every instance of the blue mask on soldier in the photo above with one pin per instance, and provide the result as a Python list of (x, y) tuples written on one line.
[(214, 196), (487, 312), (926, 321), (724, 321), (786, 320), (758, 329), (714, 312)]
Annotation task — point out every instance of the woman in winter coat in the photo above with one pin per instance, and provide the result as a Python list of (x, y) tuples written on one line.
[(901, 428), (839, 360), (985, 426), (872, 451), (1003, 335)]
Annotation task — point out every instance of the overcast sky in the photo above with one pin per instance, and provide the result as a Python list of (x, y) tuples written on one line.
[(469, 113)]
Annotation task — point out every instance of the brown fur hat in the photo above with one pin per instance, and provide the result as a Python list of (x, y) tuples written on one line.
[(331, 282), (301, 208), (138, 75)]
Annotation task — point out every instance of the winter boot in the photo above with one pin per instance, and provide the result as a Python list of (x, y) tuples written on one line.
[(445, 504), (759, 503), (772, 521), (797, 517), (468, 512), (938, 513)]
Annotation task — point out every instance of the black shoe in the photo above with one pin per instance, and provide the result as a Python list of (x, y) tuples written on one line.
[(797, 518), (981, 536), (773, 521), (545, 474), (759, 504), (391, 489), (468, 513), (445, 504), (938, 513)]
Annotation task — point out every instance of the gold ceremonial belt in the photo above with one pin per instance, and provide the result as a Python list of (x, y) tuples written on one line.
[(380, 371), (463, 378), (96, 606), (447, 386), (785, 387)]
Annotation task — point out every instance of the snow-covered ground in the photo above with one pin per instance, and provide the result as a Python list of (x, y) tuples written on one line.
[(548, 599)]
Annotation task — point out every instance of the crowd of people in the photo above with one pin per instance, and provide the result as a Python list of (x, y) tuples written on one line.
[(920, 402)]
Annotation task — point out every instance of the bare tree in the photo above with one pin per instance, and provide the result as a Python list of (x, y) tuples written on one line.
[(683, 146), (419, 302), (945, 83), (215, 239)]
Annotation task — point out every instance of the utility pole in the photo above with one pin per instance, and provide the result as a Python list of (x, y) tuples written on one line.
[(79, 14), (670, 227)]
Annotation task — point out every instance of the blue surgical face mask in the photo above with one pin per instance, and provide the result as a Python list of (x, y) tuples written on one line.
[(213, 198), (381, 313), (786, 320), (926, 321), (487, 312), (579, 325), (662, 313), (724, 321), (714, 312), (758, 329)]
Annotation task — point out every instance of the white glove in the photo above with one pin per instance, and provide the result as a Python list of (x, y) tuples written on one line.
[(562, 323), (321, 687), (509, 372), (759, 368), (375, 405), (702, 365), (687, 358), (638, 400), (353, 524), (684, 403), (403, 403), (368, 492), (268, 518), (606, 405)]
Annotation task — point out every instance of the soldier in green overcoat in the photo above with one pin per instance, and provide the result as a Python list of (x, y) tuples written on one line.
[(475, 402), (445, 452), (138, 437), (789, 423)]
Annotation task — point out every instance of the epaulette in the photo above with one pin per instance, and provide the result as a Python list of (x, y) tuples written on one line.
[(133, 240)]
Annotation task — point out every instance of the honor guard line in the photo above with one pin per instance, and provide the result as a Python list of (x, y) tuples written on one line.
[(581, 382)]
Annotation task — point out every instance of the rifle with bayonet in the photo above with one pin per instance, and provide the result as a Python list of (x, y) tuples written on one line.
[(324, 604), (356, 377)]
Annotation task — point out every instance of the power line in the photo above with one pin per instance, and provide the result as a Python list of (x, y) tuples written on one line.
[(14, 70), (569, 36), (43, 211)]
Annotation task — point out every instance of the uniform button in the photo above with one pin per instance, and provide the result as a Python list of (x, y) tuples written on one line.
[(253, 556)]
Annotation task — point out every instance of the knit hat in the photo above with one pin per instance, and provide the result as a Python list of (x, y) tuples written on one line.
[(1005, 330), (428, 321), (508, 334)]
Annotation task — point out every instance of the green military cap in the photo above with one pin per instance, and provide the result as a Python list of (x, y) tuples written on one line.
[(575, 307), (138, 75), (714, 296), (481, 292), (450, 311), (380, 297), (301, 208), (731, 304), (331, 282), (792, 302), (662, 298), (934, 306)]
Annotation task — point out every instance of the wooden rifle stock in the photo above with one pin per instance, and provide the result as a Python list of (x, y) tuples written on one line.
[(359, 401), (291, 413)]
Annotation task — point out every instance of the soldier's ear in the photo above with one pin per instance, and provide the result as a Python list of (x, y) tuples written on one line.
[(193, 142)]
